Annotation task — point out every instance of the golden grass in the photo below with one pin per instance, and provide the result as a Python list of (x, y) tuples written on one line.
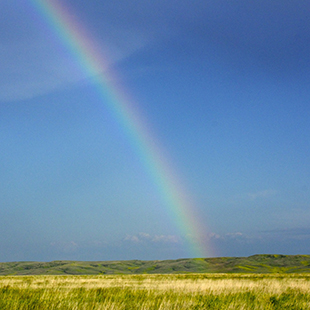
[(192, 291)]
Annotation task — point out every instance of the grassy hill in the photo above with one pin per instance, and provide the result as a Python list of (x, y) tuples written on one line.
[(252, 264)]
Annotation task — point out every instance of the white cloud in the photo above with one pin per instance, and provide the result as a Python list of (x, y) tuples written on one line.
[(226, 236), (145, 237), (234, 235), (214, 236)]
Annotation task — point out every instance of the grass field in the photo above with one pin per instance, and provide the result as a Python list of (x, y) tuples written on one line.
[(183, 291)]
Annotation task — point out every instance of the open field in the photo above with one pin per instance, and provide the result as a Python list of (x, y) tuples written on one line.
[(267, 263), (173, 291)]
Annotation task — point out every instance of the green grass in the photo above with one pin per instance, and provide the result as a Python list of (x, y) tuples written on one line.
[(174, 291), (251, 264)]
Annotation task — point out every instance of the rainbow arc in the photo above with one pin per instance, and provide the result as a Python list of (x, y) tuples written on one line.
[(73, 36)]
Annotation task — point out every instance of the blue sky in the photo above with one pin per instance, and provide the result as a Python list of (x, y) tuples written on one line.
[(222, 84)]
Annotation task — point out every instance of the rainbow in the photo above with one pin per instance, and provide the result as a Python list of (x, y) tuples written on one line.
[(73, 36)]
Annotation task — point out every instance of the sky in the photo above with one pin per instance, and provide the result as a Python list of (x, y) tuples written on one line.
[(221, 89)]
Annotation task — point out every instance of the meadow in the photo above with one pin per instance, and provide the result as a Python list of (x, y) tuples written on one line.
[(156, 291)]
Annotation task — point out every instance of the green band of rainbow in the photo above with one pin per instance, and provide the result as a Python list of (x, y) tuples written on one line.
[(90, 59)]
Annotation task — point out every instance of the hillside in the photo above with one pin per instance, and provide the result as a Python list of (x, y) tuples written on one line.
[(253, 264)]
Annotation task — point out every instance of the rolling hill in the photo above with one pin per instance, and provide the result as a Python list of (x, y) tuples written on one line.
[(267, 263)]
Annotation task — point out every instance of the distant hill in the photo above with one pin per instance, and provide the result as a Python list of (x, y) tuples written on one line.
[(267, 263)]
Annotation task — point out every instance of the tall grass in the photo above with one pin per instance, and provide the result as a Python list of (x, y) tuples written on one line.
[(192, 291)]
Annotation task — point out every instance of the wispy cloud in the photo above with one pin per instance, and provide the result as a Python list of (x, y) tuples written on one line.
[(255, 195), (31, 68), (65, 247), (147, 246), (39, 62), (261, 194)]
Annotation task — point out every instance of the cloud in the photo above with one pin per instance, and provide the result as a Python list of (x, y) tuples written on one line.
[(213, 236), (155, 239), (38, 62), (33, 68), (146, 246), (34, 61), (229, 236), (234, 235), (254, 196), (142, 246)]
